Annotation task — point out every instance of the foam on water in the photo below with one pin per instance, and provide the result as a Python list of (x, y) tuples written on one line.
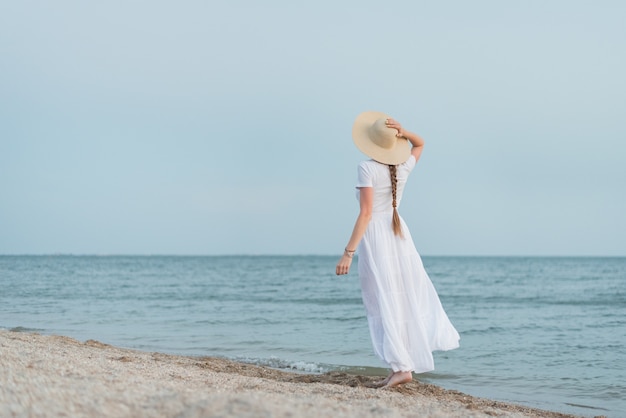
[(277, 363)]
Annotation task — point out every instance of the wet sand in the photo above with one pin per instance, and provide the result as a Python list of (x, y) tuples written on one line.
[(44, 375)]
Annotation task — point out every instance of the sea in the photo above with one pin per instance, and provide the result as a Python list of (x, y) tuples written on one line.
[(545, 332)]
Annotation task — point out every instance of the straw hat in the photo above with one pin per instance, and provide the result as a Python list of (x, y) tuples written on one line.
[(372, 136)]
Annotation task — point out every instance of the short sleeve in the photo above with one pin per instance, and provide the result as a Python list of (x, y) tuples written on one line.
[(365, 174), (410, 163)]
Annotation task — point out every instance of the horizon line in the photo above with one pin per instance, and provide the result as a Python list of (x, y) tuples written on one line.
[(69, 254)]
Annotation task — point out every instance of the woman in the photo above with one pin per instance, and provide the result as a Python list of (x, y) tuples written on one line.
[(406, 320)]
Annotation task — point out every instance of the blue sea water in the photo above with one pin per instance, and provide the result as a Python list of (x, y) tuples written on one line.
[(539, 331)]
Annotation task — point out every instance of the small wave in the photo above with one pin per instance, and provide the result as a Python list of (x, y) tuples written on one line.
[(25, 329), (315, 368), (276, 363), (586, 406)]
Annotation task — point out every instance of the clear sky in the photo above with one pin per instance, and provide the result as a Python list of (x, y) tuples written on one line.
[(224, 127)]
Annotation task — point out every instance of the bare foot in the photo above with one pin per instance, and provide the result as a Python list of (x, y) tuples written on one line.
[(398, 378), (383, 382)]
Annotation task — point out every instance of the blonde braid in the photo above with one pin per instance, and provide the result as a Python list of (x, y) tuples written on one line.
[(397, 227)]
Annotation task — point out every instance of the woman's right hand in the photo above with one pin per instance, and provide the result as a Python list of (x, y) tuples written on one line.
[(394, 124), (343, 266)]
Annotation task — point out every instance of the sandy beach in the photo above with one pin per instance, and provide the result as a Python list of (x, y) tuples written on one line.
[(46, 375)]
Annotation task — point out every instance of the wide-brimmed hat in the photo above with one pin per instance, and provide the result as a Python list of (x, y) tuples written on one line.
[(375, 139)]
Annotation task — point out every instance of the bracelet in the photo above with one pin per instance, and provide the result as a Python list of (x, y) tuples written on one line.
[(348, 252)]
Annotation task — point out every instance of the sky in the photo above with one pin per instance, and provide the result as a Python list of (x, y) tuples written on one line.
[(224, 127)]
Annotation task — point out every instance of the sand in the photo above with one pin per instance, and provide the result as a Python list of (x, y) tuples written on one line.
[(45, 376)]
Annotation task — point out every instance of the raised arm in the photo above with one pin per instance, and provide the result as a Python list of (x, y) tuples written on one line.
[(366, 199), (416, 141)]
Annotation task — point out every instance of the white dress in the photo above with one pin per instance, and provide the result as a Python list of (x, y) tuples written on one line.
[(406, 320)]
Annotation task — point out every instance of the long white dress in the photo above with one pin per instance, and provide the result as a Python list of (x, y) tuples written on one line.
[(406, 320)]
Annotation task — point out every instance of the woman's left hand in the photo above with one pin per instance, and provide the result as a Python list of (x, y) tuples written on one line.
[(343, 266)]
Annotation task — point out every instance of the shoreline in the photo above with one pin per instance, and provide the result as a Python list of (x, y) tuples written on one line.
[(49, 375)]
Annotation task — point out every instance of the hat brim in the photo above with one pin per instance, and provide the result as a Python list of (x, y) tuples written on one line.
[(392, 156)]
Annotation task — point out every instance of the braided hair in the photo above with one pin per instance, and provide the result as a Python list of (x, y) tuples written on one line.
[(395, 223)]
